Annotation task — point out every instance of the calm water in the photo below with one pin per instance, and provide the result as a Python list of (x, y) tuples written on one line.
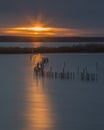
[(31, 103), (37, 44)]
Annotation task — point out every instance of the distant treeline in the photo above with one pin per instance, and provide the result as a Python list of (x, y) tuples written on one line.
[(50, 39), (88, 48)]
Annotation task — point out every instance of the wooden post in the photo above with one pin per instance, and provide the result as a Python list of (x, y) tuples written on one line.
[(55, 75), (82, 76), (70, 75), (87, 76), (67, 75)]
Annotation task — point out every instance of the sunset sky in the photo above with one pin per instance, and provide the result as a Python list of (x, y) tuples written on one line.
[(68, 17)]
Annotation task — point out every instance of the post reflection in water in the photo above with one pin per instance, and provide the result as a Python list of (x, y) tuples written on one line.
[(37, 44), (39, 112)]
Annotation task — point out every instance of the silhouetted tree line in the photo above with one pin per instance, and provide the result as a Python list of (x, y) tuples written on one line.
[(81, 48)]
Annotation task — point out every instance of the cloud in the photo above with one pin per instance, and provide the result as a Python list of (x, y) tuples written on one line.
[(80, 14)]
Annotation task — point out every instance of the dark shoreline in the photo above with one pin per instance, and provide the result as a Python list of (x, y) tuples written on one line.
[(92, 47), (50, 39), (88, 48)]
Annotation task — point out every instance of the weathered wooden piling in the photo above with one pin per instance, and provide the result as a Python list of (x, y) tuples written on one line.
[(62, 76), (92, 77), (82, 76), (56, 74), (87, 76)]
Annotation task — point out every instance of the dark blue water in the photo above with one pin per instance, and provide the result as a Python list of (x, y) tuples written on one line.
[(37, 44), (31, 103)]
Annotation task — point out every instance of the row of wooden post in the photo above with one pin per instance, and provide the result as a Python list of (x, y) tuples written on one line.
[(83, 75)]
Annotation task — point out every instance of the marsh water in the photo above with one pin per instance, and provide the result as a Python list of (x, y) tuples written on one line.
[(28, 102), (39, 44)]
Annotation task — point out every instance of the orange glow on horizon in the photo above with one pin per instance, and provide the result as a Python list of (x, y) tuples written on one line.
[(39, 29)]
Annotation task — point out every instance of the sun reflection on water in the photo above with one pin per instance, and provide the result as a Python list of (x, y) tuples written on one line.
[(39, 113), (37, 44)]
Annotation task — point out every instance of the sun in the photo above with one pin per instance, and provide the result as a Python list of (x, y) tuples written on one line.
[(39, 29)]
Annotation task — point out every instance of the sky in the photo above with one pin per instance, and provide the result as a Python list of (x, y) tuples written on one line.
[(84, 15)]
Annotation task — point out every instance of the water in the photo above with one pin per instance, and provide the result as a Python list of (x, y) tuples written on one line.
[(31, 103), (37, 44), (33, 44)]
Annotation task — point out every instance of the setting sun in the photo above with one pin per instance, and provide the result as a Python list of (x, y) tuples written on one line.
[(39, 29), (36, 29)]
